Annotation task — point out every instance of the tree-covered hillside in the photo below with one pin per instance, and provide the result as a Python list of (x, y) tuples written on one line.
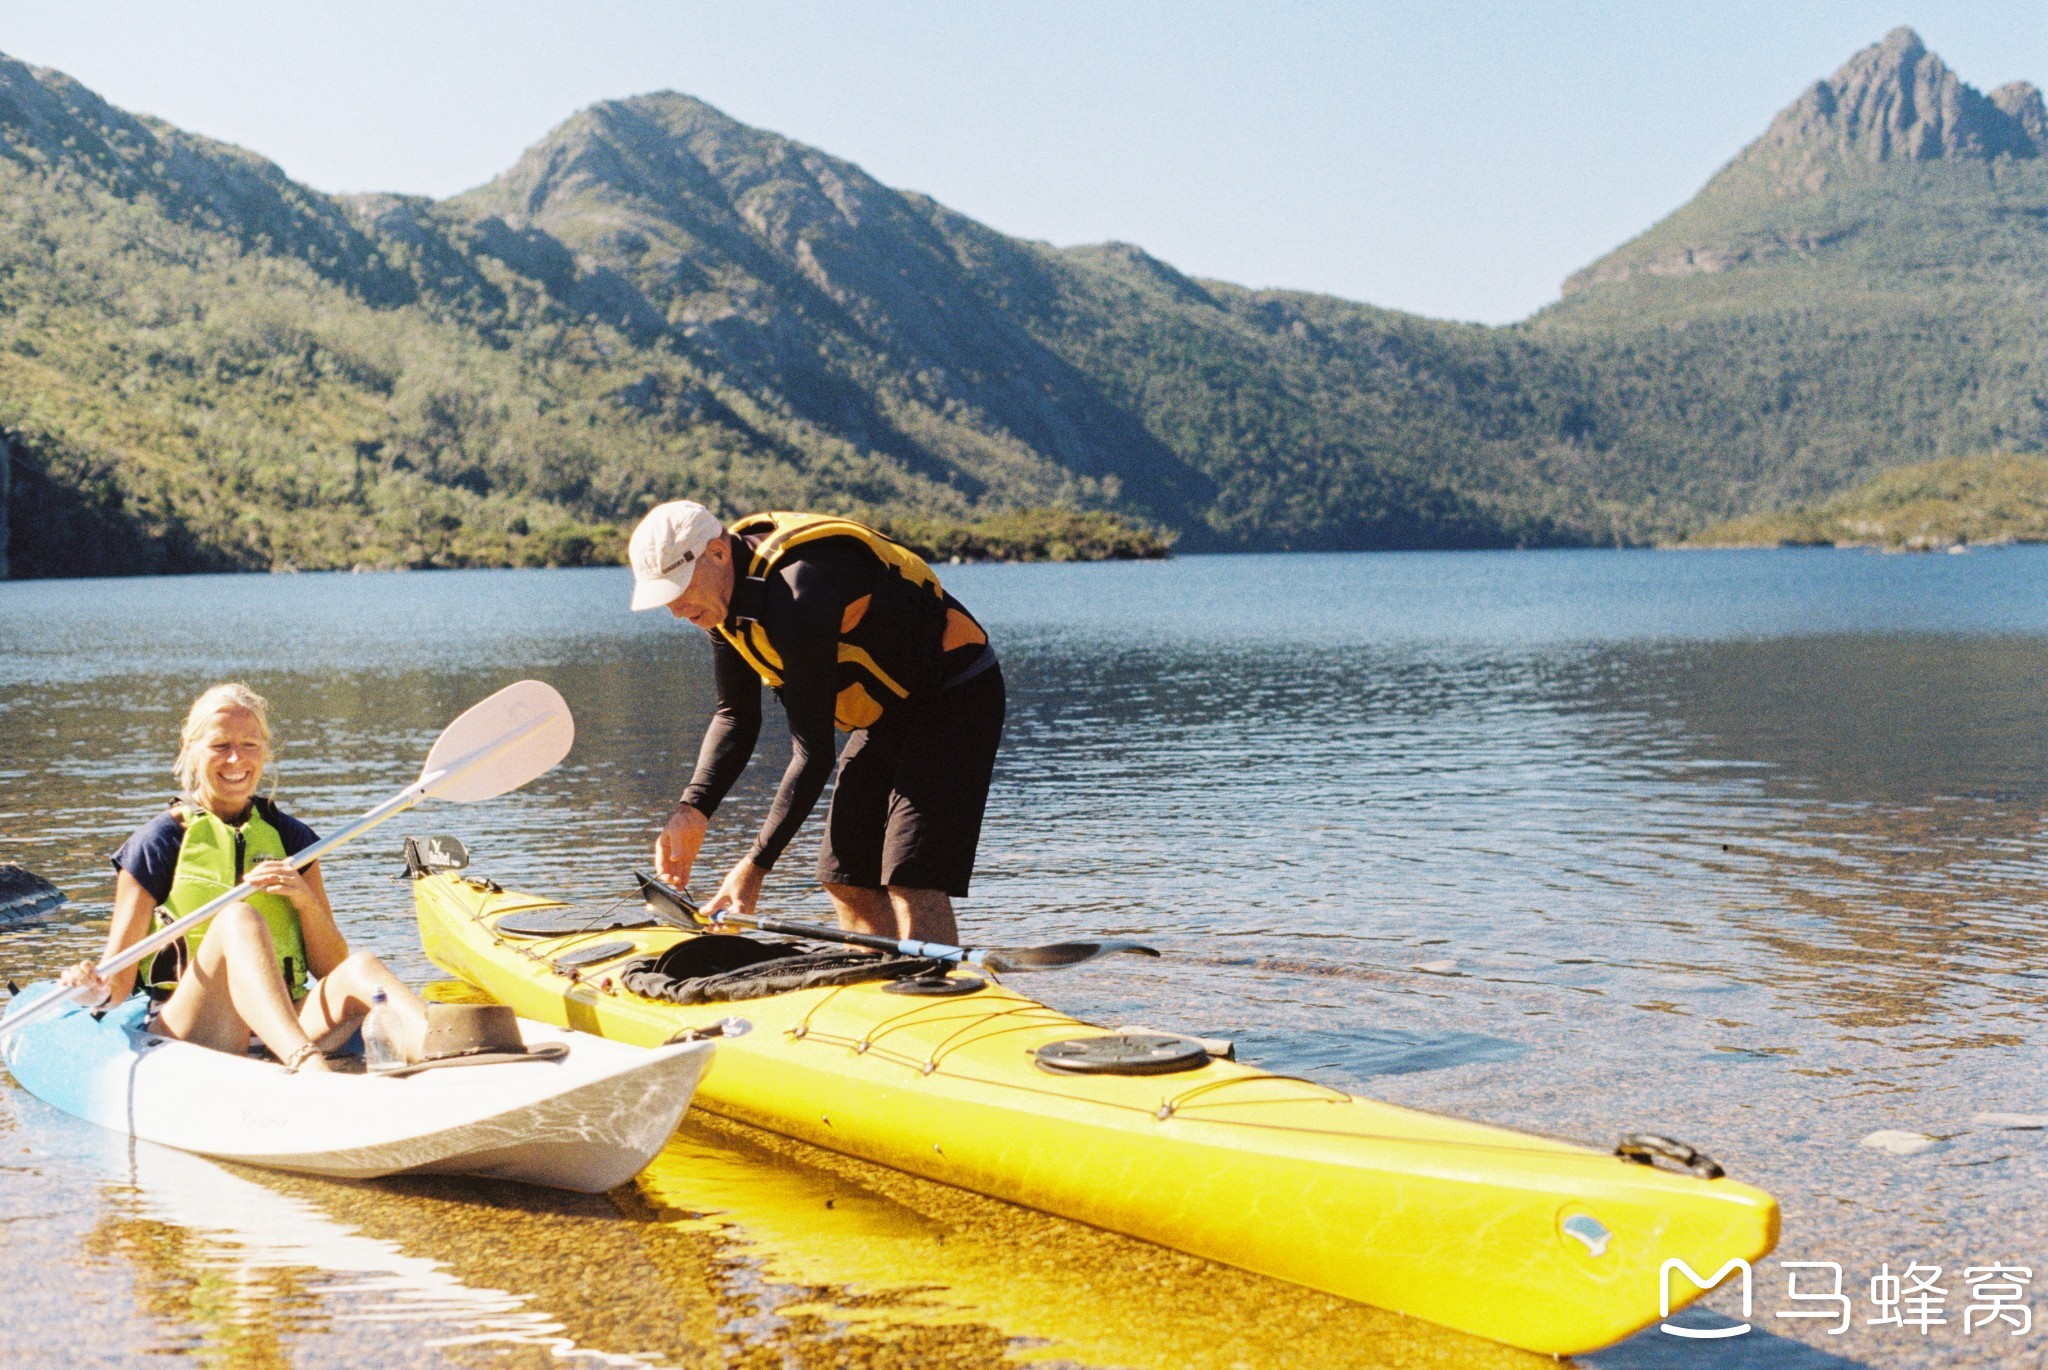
[(204, 364)]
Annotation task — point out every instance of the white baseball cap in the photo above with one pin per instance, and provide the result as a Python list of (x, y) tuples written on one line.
[(665, 549)]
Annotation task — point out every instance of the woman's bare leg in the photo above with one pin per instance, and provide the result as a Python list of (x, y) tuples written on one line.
[(342, 999), (233, 988)]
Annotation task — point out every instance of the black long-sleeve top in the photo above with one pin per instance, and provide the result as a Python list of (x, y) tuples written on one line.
[(800, 607)]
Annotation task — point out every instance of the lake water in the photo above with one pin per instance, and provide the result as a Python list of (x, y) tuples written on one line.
[(1745, 848)]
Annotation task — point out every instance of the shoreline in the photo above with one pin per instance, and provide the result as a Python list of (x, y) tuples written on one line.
[(1645, 549)]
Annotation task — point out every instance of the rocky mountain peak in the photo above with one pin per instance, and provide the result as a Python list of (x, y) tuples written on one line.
[(658, 151), (1805, 187), (1895, 102)]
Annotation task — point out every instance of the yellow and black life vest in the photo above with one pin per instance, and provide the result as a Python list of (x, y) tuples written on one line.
[(892, 641), (213, 858)]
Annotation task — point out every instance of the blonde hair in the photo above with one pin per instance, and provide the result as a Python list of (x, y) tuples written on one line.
[(216, 699)]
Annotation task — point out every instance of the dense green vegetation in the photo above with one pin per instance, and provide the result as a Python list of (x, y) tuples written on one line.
[(206, 365), (243, 411), (1030, 535), (1934, 505)]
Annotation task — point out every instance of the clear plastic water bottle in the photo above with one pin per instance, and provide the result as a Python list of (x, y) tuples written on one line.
[(380, 1045)]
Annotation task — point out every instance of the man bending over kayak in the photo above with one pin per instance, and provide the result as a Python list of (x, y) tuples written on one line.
[(853, 632)]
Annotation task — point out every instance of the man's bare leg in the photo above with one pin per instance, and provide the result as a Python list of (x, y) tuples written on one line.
[(898, 911), (862, 908), (926, 915)]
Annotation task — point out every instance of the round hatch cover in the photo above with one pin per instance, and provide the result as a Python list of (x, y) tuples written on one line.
[(591, 955), (936, 986), (1123, 1053)]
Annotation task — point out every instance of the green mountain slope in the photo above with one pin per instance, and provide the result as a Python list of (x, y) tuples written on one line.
[(232, 370), (1008, 370), (796, 275), (201, 358)]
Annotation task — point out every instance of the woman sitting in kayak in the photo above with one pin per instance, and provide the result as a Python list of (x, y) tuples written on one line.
[(273, 964)]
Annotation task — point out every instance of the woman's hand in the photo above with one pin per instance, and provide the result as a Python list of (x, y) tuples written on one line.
[(738, 891), (85, 975), (283, 878)]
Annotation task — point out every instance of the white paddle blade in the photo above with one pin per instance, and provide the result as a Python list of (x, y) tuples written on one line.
[(500, 743)]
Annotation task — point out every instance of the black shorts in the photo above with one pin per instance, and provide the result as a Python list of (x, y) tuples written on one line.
[(907, 803)]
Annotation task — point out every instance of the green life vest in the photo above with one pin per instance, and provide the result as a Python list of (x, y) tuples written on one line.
[(213, 859), (891, 640)]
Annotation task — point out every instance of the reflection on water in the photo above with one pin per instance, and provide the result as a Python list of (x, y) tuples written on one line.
[(943, 1277), (736, 1248), (1742, 848), (243, 1268)]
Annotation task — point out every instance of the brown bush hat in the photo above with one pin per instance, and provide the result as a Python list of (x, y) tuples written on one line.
[(474, 1035)]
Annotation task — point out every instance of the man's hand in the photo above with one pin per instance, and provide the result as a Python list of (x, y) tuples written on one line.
[(738, 891), (675, 851)]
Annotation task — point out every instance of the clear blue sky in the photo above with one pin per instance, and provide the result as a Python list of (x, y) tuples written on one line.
[(1456, 159)]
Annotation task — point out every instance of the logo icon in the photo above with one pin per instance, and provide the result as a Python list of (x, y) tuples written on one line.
[(1701, 1333)]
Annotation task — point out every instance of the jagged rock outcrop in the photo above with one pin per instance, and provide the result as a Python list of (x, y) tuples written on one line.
[(1891, 107), (2020, 101), (1893, 101)]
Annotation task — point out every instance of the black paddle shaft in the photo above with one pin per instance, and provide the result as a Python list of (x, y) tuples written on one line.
[(682, 911), (821, 934), (673, 906)]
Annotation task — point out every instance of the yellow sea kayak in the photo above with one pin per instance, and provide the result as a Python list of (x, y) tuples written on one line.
[(1538, 1243)]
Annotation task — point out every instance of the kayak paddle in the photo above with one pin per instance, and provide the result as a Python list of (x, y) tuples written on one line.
[(674, 907), (26, 896), (496, 746)]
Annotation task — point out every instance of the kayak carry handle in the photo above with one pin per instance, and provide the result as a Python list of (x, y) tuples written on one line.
[(1649, 1148), (724, 1027)]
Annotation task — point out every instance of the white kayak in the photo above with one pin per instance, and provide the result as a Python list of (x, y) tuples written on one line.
[(587, 1120)]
